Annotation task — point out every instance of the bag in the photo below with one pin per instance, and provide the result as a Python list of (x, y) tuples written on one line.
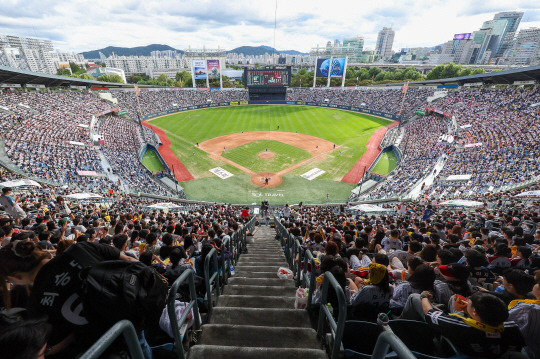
[(285, 273), (116, 290), (301, 298), (179, 308)]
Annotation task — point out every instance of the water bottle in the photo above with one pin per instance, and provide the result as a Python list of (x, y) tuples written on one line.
[(499, 288), (232, 270)]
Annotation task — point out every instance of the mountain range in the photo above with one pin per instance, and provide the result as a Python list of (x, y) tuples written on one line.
[(146, 51)]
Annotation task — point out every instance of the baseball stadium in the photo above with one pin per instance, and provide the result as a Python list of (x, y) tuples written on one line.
[(159, 203)]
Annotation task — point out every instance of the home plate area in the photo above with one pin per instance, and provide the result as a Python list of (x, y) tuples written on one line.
[(266, 179)]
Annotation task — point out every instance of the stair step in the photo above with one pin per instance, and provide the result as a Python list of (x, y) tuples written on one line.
[(269, 282), (261, 290), (261, 274), (255, 301), (260, 317), (265, 268), (256, 257), (263, 263), (219, 352), (253, 336)]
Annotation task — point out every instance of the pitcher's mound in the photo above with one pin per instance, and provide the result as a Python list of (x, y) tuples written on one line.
[(266, 155), (259, 179)]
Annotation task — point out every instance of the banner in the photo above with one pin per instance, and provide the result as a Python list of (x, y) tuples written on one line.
[(212, 67), (312, 174), (221, 173), (337, 68), (199, 69)]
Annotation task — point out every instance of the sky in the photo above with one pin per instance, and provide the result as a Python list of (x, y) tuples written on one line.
[(81, 25)]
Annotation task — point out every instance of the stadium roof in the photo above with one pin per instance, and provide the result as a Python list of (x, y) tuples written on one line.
[(506, 77), (9, 75)]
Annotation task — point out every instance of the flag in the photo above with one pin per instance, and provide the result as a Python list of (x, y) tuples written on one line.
[(405, 88), (136, 89)]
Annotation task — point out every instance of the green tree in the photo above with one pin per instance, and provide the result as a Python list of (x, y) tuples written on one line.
[(481, 71), (75, 69), (63, 72), (163, 78), (374, 71), (85, 77), (111, 78)]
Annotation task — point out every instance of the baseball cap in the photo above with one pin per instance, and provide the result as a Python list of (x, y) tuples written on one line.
[(454, 270)]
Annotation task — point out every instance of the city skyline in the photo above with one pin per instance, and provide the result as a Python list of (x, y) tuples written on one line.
[(83, 26)]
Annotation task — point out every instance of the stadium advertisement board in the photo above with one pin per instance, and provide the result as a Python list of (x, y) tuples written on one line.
[(199, 69), (293, 103), (213, 69), (336, 70)]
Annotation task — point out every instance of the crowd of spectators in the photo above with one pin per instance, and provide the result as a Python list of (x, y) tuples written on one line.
[(121, 143), (500, 147), (47, 136), (421, 149), (454, 270), (384, 100), (153, 101), (53, 245)]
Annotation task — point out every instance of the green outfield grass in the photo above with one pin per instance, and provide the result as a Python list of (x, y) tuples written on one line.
[(151, 161), (349, 130), (248, 156), (386, 163)]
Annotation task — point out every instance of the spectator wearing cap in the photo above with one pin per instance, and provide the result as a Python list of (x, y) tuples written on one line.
[(455, 276), (484, 332)]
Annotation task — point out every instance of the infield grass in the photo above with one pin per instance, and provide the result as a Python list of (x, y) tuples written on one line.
[(386, 163), (284, 156), (349, 130), (151, 161)]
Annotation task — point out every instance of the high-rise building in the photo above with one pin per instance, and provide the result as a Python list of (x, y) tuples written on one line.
[(27, 53), (525, 49), (513, 18), (353, 47), (385, 40), (33, 54)]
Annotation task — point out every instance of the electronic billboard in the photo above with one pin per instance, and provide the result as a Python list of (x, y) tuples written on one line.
[(274, 76), (465, 36)]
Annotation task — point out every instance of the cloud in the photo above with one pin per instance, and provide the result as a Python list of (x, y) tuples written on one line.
[(80, 25)]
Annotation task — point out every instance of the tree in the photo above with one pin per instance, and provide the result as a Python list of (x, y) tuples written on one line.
[(85, 77), (444, 71), (374, 71), (63, 72), (481, 71), (163, 78), (76, 69), (111, 78)]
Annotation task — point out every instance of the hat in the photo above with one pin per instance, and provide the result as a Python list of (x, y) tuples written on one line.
[(376, 273), (62, 221), (454, 270)]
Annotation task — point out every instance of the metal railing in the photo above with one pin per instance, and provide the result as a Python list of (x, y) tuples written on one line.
[(388, 340), (309, 281), (123, 327), (211, 281), (336, 328), (177, 324)]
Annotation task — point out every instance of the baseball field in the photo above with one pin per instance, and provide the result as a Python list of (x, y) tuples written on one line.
[(284, 154)]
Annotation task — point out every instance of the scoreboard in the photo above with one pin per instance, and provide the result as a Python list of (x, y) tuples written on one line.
[(268, 76)]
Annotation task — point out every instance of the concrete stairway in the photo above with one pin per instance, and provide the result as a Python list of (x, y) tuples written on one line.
[(255, 318)]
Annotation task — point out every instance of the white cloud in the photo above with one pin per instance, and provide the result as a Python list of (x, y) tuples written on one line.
[(79, 25)]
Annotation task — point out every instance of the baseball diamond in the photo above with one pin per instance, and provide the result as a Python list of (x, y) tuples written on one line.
[(238, 139)]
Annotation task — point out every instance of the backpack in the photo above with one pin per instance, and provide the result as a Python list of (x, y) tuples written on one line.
[(116, 290)]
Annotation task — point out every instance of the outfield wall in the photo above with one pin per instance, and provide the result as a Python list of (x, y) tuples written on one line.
[(297, 103)]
